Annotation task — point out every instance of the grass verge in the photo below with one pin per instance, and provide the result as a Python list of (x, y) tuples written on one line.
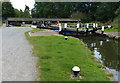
[(0, 23), (115, 28), (57, 57)]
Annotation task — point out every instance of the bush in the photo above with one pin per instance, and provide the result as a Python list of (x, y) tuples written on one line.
[(117, 20), (78, 15)]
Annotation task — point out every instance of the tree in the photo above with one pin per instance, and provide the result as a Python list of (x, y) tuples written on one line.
[(7, 10), (105, 12), (21, 13), (0, 9), (17, 13), (26, 12), (97, 11), (62, 9), (78, 16), (51, 9), (117, 18)]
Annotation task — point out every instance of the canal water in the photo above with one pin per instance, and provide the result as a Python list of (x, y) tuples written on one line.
[(106, 50)]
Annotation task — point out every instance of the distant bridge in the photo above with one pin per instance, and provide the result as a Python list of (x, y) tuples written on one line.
[(42, 19), (38, 20)]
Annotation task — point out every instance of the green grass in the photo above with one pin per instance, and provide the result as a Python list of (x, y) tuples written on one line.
[(115, 28), (0, 23), (57, 57)]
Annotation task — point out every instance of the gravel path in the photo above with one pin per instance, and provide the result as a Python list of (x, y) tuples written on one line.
[(18, 64)]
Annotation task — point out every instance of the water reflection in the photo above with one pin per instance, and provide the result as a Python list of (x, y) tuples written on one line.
[(106, 50)]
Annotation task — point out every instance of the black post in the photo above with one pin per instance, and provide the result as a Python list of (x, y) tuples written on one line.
[(77, 31), (64, 31), (86, 30), (102, 32)]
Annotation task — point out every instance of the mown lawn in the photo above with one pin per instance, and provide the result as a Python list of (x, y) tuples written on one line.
[(57, 57), (115, 28), (0, 23)]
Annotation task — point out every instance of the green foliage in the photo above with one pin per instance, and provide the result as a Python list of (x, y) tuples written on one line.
[(106, 11), (57, 57), (61, 9), (117, 12), (115, 28), (78, 16), (101, 11), (21, 13), (0, 10), (17, 13), (117, 18), (7, 10), (26, 12), (86, 11), (0, 23)]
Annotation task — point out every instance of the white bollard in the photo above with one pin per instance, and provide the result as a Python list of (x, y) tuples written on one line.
[(109, 26), (87, 26), (60, 27), (102, 28), (78, 25), (66, 37), (94, 25), (76, 71), (65, 25)]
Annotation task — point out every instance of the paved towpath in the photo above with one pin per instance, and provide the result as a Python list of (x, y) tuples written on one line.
[(44, 33), (18, 64)]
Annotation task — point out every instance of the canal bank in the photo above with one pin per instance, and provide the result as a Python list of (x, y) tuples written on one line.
[(57, 56), (109, 50), (113, 35)]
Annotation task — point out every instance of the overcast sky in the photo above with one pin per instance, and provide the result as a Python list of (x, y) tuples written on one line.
[(20, 4)]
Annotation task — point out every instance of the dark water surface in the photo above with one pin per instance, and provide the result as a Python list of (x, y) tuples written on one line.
[(106, 50)]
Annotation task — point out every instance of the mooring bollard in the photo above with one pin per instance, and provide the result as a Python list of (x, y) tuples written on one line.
[(109, 26), (65, 26), (96, 25), (76, 71), (78, 25), (102, 29), (87, 26), (60, 27), (66, 38)]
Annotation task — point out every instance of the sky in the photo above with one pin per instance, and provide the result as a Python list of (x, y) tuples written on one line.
[(20, 4)]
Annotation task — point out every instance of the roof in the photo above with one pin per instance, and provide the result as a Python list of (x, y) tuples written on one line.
[(41, 19)]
